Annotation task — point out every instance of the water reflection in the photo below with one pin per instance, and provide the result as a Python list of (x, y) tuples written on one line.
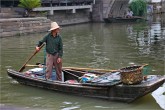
[(95, 45), (149, 37)]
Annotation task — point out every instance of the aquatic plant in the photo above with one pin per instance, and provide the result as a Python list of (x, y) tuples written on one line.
[(138, 7)]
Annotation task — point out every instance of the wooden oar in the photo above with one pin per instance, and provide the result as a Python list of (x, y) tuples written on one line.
[(77, 68), (86, 69), (29, 65), (94, 69), (90, 69), (35, 52)]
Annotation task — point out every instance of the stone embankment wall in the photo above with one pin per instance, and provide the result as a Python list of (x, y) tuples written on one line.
[(19, 26), (9, 13), (97, 13), (68, 18), (163, 6), (101, 9), (10, 26), (16, 26), (108, 8)]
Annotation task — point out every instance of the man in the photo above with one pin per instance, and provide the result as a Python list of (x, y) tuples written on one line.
[(129, 14), (54, 50)]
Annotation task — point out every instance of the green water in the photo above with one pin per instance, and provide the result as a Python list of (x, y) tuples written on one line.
[(96, 45)]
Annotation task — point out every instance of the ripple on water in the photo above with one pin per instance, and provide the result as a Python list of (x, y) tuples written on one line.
[(12, 107), (131, 63), (8, 67), (67, 103), (37, 98), (101, 107), (14, 82), (70, 106)]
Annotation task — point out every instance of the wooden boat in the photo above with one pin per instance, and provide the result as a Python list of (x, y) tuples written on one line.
[(97, 88), (121, 19)]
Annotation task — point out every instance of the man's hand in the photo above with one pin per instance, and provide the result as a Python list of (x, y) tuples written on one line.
[(59, 60), (37, 48)]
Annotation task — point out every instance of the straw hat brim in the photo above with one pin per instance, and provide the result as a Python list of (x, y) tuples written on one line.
[(54, 28)]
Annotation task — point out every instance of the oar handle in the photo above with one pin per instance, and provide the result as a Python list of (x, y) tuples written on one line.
[(143, 66), (41, 46)]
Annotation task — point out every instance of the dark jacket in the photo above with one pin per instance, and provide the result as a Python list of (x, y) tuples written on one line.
[(54, 45)]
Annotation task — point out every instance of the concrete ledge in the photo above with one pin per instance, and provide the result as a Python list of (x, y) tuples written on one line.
[(23, 19), (73, 8)]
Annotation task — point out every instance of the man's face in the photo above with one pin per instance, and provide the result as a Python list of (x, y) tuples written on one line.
[(56, 30)]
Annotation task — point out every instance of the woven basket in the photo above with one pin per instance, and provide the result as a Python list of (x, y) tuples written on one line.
[(131, 75)]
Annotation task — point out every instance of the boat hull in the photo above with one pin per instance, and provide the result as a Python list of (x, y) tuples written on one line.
[(121, 20), (118, 92)]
